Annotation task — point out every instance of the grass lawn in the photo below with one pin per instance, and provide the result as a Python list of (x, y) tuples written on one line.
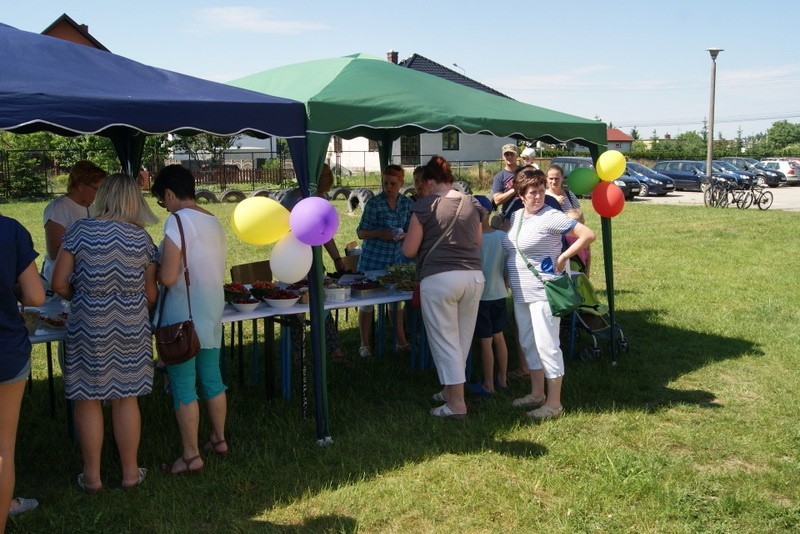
[(696, 429)]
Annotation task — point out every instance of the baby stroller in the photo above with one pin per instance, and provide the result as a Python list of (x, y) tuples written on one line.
[(591, 319)]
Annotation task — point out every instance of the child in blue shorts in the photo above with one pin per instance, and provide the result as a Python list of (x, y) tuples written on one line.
[(491, 319)]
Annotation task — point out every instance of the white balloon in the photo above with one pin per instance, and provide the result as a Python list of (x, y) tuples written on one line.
[(290, 260)]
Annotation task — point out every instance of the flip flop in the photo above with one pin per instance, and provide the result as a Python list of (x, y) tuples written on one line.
[(445, 412), (86, 489), (23, 505), (139, 480), (439, 396)]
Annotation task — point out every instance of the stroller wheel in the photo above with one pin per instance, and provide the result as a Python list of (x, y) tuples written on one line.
[(622, 346), (587, 353)]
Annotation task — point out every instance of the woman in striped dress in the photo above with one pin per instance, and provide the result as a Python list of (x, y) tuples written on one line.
[(107, 269)]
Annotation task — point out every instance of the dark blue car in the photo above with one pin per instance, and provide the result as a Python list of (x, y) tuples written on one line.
[(652, 182)]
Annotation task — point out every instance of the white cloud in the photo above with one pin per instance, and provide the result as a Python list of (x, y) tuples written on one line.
[(249, 20)]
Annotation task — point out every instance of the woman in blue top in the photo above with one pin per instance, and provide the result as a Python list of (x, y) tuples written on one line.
[(19, 282), (382, 227)]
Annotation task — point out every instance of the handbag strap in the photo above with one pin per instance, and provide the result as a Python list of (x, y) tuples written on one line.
[(185, 274), (525, 259), (446, 231)]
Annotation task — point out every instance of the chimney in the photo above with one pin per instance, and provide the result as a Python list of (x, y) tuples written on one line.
[(391, 56), (84, 28)]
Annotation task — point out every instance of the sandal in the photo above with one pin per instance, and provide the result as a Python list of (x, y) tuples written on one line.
[(170, 468), (212, 447), (139, 480), (439, 396), (86, 489), (445, 412), (546, 412), (23, 505), (528, 400)]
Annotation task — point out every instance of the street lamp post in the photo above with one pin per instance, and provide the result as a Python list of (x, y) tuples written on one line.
[(710, 146), (463, 71)]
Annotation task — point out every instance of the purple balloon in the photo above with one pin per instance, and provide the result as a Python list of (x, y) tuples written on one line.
[(314, 221)]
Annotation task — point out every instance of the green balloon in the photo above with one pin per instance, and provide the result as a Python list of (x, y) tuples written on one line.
[(581, 181)]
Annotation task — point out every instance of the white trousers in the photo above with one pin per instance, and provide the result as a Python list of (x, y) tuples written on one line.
[(449, 310), (538, 337)]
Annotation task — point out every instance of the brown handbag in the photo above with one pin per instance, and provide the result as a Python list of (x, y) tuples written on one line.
[(177, 343)]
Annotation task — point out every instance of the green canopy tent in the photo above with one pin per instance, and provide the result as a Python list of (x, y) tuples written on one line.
[(364, 96)]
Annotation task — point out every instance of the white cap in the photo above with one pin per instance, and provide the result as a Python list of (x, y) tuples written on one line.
[(528, 153)]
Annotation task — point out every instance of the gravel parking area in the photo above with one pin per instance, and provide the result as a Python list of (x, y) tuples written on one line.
[(786, 198)]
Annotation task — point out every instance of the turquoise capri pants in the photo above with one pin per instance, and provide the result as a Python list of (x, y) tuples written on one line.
[(183, 378)]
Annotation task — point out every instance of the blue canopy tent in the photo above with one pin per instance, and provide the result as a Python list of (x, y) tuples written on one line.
[(47, 84)]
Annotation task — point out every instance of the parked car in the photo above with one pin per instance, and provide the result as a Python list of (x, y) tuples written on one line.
[(786, 166), (652, 182), (690, 175), (630, 186), (763, 174), (748, 177), (685, 174)]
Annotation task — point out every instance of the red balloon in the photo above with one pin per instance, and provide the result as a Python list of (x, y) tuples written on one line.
[(608, 199)]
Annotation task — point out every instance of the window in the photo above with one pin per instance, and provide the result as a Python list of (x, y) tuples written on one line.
[(373, 146), (449, 140)]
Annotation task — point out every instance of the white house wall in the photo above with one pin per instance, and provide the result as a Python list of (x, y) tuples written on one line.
[(356, 156)]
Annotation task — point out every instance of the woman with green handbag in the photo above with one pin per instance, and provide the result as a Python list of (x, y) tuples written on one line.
[(534, 257)]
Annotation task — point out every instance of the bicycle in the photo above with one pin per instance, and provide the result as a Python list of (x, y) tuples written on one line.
[(761, 197)]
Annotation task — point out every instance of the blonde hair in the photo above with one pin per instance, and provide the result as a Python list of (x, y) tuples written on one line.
[(576, 214), (120, 199)]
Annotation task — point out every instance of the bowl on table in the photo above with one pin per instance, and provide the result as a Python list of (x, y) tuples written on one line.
[(282, 303), (235, 291), (337, 294), (245, 305)]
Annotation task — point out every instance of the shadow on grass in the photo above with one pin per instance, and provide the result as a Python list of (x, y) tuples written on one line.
[(658, 355), (380, 424)]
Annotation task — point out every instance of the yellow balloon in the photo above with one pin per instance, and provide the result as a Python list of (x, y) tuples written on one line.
[(260, 221), (610, 165)]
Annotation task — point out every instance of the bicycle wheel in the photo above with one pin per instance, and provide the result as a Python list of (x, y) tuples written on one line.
[(745, 200), (707, 198), (721, 198), (765, 200)]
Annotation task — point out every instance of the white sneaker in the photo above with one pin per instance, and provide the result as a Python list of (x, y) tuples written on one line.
[(364, 352)]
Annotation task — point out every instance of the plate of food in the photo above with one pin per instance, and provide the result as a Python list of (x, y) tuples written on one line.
[(246, 304), (281, 298), (54, 321), (234, 291), (259, 289)]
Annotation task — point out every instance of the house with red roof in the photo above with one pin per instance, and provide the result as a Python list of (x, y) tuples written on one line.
[(619, 140)]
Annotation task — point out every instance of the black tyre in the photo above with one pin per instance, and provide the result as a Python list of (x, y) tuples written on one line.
[(261, 193), (232, 195), (644, 190), (744, 201), (462, 186), (204, 195), (337, 192), (765, 200)]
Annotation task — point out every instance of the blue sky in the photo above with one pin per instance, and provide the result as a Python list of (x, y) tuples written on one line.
[(632, 63)]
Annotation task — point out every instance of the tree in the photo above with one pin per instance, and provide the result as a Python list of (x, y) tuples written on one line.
[(635, 133), (209, 148), (783, 133), (691, 144)]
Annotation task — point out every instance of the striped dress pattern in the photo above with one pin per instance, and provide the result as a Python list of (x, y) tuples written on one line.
[(108, 347)]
